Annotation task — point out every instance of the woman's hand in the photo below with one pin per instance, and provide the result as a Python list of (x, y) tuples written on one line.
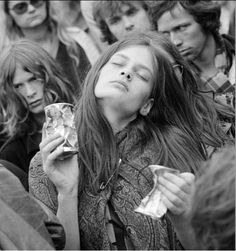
[(63, 173), (175, 191)]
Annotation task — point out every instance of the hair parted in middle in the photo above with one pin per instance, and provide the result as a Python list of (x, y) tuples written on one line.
[(32, 58), (178, 110)]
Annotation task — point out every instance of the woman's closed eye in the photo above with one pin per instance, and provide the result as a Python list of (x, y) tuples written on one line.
[(143, 75), (118, 62)]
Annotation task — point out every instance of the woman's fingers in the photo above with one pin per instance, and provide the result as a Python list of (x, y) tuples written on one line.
[(175, 191), (175, 207), (44, 131), (51, 142), (177, 182), (188, 177)]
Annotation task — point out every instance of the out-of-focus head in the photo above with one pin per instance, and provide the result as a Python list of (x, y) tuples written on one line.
[(116, 19), (213, 203), (187, 23), (24, 14), (147, 58)]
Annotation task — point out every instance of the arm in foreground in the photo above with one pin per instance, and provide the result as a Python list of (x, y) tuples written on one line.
[(64, 174)]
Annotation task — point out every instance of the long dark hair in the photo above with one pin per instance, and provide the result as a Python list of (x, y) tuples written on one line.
[(179, 114), (205, 13)]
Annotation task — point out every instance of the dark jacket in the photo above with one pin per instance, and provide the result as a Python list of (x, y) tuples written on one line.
[(20, 150)]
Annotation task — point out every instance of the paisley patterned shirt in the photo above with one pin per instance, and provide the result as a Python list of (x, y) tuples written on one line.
[(133, 183)]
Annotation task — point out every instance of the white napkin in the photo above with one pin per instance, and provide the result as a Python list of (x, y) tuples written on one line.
[(152, 204)]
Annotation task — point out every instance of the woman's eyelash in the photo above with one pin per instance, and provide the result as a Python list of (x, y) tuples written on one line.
[(117, 63), (142, 77)]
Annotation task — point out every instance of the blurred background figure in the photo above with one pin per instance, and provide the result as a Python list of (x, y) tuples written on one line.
[(30, 79), (37, 20), (116, 19), (25, 225), (87, 10), (227, 17), (213, 203), (69, 13), (3, 38)]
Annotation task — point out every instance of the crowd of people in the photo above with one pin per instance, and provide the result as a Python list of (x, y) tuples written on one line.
[(151, 83)]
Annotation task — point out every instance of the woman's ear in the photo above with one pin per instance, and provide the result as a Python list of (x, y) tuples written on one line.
[(145, 109)]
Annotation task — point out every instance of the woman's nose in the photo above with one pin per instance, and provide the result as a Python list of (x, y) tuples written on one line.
[(128, 75)]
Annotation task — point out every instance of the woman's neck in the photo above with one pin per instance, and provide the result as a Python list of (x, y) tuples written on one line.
[(117, 120)]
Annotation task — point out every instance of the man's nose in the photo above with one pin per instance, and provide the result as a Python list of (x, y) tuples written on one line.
[(176, 39), (128, 24), (30, 91)]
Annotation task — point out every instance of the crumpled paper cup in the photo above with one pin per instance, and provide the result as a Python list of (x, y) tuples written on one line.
[(152, 204), (60, 118)]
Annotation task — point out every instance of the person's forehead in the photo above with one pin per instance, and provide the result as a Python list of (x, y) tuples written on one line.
[(122, 7), (21, 75), (179, 11), (173, 18), (13, 3)]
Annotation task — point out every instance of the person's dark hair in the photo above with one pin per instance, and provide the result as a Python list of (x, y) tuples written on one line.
[(179, 114), (13, 31), (212, 212), (104, 9), (56, 26), (205, 12), (14, 110)]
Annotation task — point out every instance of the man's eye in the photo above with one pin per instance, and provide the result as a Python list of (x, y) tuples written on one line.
[(166, 34), (114, 20), (182, 28), (18, 86), (131, 12)]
